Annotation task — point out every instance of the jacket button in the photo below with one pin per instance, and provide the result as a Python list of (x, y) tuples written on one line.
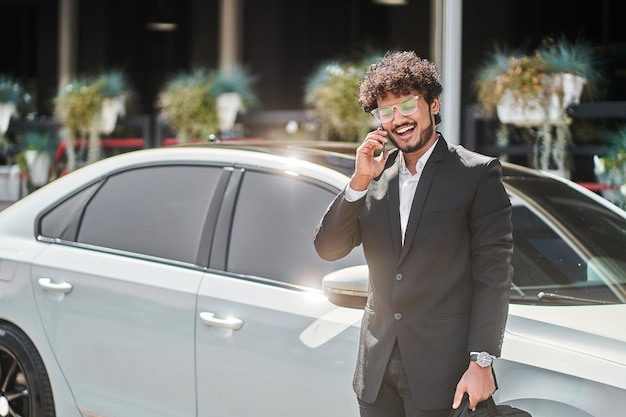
[(399, 277), (397, 316)]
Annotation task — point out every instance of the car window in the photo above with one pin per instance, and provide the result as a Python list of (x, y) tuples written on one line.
[(156, 211), (548, 268), (273, 230), (61, 223)]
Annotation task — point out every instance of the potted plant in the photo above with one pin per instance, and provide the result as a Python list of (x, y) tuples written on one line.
[(12, 96), (331, 93), (535, 90), (611, 168), (233, 94), (37, 156), (188, 103), (89, 107), (115, 91)]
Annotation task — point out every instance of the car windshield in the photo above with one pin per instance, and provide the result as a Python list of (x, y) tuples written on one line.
[(569, 248)]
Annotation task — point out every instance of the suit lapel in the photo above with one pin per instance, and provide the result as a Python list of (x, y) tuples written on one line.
[(421, 194), (393, 196)]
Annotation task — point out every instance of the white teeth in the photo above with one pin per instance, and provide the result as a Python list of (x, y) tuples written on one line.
[(403, 129)]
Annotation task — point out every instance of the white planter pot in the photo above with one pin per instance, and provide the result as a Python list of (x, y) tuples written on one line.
[(534, 112), (228, 105), (112, 108), (10, 183), (38, 167), (6, 111)]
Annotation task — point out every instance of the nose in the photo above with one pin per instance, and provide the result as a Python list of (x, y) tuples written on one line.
[(396, 114)]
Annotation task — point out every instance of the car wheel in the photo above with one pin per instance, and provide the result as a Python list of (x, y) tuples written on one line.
[(24, 385)]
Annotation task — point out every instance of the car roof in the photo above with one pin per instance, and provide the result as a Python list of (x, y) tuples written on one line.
[(333, 154)]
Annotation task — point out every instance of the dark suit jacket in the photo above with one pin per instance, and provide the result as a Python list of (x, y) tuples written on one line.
[(443, 294)]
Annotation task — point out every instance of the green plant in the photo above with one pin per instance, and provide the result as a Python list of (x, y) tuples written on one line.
[(577, 58), (331, 93), (538, 85), (11, 91), (238, 81), (611, 168), (14, 100), (40, 141), (34, 160), (528, 76), (112, 84), (524, 75), (187, 101), (76, 106), (79, 105)]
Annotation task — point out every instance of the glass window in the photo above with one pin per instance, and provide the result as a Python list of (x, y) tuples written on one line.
[(157, 211), (548, 268), (273, 230), (62, 221)]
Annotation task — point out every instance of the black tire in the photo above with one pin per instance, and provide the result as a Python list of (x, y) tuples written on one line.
[(24, 384)]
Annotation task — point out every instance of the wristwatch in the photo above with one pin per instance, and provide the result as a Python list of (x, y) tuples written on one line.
[(483, 359)]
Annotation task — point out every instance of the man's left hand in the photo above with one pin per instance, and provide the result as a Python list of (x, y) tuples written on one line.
[(477, 382)]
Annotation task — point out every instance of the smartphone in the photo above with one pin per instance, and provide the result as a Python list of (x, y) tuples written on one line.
[(383, 151)]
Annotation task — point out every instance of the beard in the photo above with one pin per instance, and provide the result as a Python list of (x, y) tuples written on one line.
[(424, 138)]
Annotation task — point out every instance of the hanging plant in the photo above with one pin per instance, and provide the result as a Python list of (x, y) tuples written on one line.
[(611, 168), (12, 97), (233, 94), (114, 90), (188, 103), (79, 107), (331, 94), (535, 90)]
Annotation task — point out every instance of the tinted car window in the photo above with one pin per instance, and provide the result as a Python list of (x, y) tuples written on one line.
[(273, 229), (157, 211), (62, 221), (549, 267)]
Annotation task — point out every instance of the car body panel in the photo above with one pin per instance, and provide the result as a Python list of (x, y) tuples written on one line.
[(267, 357), (120, 308)]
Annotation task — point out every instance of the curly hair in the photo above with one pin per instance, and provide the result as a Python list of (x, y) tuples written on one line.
[(399, 73)]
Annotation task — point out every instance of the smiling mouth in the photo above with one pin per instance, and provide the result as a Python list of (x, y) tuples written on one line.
[(405, 128)]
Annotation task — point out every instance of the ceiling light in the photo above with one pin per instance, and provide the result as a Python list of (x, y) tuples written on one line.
[(391, 2)]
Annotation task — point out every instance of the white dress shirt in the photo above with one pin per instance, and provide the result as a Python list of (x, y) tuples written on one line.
[(408, 186)]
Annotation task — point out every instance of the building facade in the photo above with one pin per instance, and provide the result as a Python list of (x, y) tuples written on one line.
[(280, 41)]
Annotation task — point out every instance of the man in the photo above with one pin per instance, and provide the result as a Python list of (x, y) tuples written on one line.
[(435, 224)]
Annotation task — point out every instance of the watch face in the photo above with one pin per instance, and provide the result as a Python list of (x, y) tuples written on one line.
[(484, 359)]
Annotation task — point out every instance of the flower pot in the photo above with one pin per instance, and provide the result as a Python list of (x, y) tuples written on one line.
[(38, 167), (10, 183), (534, 111), (228, 105), (6, 111), (112, 108)]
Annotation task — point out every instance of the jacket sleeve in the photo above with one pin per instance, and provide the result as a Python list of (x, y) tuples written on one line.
[(339, 230), (491, 251)]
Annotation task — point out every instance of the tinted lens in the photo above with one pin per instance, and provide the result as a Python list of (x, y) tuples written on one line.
[(407, 106), (385, 113)]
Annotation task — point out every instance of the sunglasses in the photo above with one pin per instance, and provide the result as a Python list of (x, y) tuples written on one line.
[(405, 107)]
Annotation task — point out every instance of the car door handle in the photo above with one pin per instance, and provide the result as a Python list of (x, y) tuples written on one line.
[(48, 285), (210, 319)]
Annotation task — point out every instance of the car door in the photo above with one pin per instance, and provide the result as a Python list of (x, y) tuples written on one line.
[(268, 342), (116, 289)]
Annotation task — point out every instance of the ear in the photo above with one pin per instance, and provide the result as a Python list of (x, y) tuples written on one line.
[(435, 105)]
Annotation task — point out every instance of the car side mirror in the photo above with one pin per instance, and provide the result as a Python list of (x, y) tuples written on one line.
[(347, 287)]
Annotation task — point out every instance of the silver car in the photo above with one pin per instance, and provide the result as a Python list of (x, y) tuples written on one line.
[(183, 282)]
